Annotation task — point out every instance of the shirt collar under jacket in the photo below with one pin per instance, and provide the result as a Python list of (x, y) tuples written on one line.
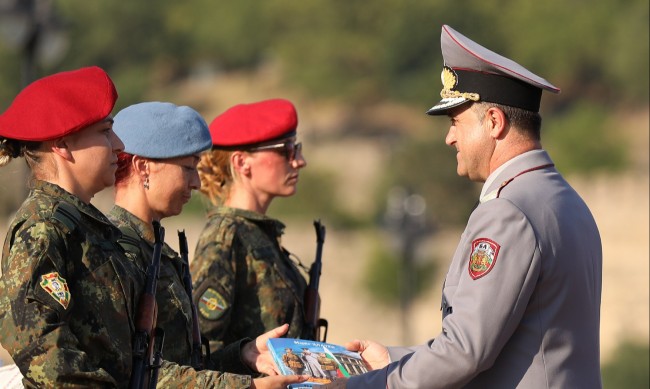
[(485, 196), (253, 216)]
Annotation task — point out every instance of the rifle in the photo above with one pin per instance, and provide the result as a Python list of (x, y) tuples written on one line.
[(314, 323), (200, 344), (148, 339)]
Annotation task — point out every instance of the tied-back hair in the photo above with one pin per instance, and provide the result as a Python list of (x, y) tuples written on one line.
[(13, 148), (527, 122), (216, 175)]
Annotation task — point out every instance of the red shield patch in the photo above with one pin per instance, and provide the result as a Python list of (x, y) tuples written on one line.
[(483, 257)]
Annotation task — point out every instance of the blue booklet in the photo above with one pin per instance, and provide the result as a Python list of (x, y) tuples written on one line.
[(322, 362)]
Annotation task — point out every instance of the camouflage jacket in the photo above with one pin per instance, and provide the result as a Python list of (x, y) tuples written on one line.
[(244, 282), (68, 299), (326, 363), (174, 304)]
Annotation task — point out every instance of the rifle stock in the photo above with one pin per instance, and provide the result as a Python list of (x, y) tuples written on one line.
[(313, 322), (148, 339), (200, 346)]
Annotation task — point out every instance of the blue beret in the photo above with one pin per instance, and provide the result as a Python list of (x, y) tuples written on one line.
[(162, 130), (474, 73)]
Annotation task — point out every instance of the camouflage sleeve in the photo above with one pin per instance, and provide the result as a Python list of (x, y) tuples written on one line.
[(175, 376), (35, 319), (229, 358), (213, 272)]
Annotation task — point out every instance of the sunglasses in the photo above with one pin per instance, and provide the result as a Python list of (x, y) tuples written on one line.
[(290, 149)]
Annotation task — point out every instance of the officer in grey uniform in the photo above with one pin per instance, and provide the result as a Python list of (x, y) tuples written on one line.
[(521, 299)]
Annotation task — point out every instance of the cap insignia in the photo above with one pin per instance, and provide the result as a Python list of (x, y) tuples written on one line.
[(449, 82), (211, 304), (57, 287), (483, 257)]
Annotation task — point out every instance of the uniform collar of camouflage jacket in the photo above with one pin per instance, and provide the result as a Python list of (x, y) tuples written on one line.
[(255, 217), (142, 228), (89, 210)]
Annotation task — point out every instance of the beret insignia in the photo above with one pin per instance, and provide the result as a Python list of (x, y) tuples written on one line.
[(211, 304), (57, 287), (483, 257)]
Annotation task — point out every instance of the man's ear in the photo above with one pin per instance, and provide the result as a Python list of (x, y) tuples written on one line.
[(497, 122), (60, 148)]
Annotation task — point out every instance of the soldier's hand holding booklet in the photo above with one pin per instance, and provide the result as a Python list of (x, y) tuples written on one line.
[(321, 361)]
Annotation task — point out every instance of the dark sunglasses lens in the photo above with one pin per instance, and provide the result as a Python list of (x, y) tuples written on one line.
[(292, 150)]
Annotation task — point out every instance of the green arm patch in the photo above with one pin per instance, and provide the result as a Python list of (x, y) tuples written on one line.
[(211, 304)]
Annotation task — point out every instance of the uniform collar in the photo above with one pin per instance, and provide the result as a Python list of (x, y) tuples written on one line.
[(252, 216), (510, 169), (57, 192), (142, 228)]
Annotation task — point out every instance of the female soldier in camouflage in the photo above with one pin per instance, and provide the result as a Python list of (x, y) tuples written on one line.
[(155, 177), (244, 281), (68, 291)]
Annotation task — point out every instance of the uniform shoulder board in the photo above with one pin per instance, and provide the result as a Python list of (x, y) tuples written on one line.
[(68, 215), (130, 241)]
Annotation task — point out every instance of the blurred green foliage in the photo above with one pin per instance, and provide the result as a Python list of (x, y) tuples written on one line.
[(425, 165), (314, 199), (384, 275), (584, 140), (361, 53), (629, 368), (356, 50)]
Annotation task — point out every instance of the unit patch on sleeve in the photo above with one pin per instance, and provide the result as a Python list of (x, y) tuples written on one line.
[(57, 287), (483, 257), (211, 304)]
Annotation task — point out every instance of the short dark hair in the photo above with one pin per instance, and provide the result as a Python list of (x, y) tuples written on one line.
[(528, 122)]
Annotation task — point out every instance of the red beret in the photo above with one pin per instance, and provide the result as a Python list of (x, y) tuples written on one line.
[(60, 104), (250, 124)]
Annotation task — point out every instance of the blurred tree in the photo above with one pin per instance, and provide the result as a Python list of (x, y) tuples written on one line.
[(314, 199), (9, 74), (581, 140), (426, 165), (362, 52), (382, 274)]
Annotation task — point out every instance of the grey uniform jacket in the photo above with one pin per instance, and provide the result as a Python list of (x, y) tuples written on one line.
[(521, 300)]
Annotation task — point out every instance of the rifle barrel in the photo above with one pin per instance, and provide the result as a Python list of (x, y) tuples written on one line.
[(197, 351), (145, 321)]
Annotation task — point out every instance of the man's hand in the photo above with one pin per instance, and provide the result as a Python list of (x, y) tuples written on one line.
[(278, 381), (374, 354), (257, 356)]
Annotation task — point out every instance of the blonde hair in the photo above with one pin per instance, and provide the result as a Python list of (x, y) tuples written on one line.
[(215, 172)]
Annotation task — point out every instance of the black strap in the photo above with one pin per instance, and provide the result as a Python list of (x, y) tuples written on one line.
[(130, 240), (68, 215)]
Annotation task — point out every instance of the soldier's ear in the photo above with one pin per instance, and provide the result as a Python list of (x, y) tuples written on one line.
[(239, 162), (497, 122), (60, 148), (140, 167)]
